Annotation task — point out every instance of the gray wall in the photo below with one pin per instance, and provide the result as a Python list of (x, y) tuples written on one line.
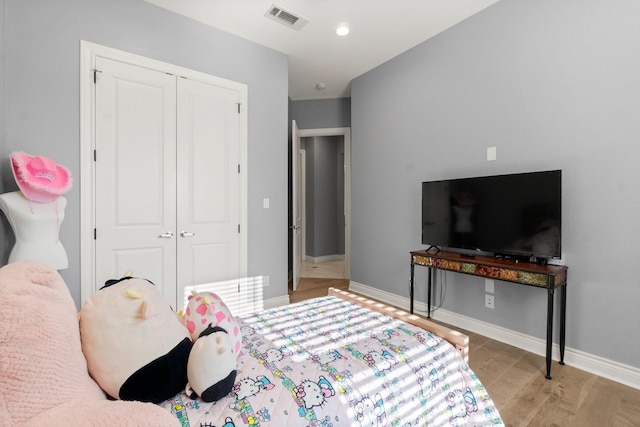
[(324, 192), (3, 166), (551, 84), (322, 113), (41, 77)]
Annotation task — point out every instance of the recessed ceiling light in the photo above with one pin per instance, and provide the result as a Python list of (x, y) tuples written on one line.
[(342, 30)]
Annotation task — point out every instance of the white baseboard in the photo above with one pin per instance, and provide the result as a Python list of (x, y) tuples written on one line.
[(276, 302), (324, 258), (612, 370)]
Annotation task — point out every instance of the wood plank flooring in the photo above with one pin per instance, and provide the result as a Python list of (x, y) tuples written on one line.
[(316, 279), (314, 287), (515, 381)]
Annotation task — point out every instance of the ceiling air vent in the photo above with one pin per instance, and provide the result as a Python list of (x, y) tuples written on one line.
[(285, 17)]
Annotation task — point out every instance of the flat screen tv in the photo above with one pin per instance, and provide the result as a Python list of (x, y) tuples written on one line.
[(514, 216)]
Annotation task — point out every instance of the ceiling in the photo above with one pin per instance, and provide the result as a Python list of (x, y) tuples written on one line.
[(379, 31)]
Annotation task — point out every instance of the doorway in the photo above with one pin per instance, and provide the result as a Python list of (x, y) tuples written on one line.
[(326, 209)]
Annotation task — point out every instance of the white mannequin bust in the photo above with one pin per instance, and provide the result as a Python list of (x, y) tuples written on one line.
[(36, 227)]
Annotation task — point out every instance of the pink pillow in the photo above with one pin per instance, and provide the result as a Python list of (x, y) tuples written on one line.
[(207, 308)]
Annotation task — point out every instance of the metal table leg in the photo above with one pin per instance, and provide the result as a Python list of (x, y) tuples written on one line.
[(549, 331), (563, 316), (429, 293), (411, 289)]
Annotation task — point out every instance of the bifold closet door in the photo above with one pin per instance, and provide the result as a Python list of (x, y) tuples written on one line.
[(167, 183), (135, 175), (208, 184)]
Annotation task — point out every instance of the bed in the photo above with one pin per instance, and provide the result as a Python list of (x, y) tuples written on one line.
[(344, 360)]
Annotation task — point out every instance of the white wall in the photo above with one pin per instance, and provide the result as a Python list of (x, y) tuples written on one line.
[(42, 53), (551, 84)]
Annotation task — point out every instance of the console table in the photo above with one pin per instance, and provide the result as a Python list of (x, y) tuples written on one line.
[(547, 277)]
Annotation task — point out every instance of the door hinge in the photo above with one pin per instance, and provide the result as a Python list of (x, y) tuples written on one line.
[(238, 167), (95, 75), (95, 234), (95, 155), (238, 228), (238, 104)]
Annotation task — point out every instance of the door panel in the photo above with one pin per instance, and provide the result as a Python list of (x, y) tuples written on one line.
[(208, 209), (216, 258), (135, 174), (149, 260)]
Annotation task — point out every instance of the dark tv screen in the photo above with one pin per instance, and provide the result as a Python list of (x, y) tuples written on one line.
[(516, 215)]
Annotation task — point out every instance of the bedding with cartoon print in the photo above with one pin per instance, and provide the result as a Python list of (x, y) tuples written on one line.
[(328, 362)]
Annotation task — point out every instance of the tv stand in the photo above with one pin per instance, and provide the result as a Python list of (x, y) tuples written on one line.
[(549, 277)]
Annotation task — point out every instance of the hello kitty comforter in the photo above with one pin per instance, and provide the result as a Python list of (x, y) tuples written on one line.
[(327, 362)]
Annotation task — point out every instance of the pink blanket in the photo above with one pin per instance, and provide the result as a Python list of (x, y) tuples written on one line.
[(43, 372)]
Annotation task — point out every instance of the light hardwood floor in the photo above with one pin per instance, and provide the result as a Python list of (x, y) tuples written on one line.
[(316, 279), (515, 380), (324, 270)]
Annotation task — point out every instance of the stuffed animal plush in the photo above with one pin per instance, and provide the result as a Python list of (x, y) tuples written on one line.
[(136, 346), (212, 365), (43, 374), (207, 308)]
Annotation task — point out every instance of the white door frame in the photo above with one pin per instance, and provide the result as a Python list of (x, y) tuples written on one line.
[(303, 201), (345, 132), (296, 202), (88, 53)]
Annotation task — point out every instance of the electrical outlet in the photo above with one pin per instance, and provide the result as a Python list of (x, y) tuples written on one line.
[(488, 301)]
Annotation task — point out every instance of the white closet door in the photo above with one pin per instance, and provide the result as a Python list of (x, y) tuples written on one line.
[(135, 175), (208, 209)]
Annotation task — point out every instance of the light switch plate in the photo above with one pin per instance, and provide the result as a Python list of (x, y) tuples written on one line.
[(489, 286), (492, 154)]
